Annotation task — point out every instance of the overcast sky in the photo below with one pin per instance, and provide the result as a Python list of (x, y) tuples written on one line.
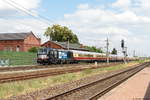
[(91, 20)]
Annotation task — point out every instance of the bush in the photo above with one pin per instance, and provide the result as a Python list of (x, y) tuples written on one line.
[(33, 49), (93, 49)]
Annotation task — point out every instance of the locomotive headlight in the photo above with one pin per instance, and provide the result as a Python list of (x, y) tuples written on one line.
[(43, 56)]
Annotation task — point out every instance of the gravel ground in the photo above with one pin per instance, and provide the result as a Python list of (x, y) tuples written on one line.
[(51, 91)]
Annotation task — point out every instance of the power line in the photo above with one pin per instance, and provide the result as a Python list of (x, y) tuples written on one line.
[(42, 17), (25, 10)]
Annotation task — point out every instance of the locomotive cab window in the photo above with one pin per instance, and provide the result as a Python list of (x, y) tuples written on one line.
[(51, 53), (55, 54)]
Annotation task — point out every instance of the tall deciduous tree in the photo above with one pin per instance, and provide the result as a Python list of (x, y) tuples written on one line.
[(114, 51), (61, 34), (93, 49)]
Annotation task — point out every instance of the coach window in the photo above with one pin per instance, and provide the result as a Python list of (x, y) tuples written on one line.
[(18, 48)]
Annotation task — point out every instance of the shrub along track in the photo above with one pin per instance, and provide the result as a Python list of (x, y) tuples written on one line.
[(94, 90), (16, 76)]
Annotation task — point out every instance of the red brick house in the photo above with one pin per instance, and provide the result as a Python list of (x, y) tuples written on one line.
[(63, 45), (18, 41)]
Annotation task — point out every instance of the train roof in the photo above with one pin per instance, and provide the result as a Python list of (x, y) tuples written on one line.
[(87, 52), (95, 53)]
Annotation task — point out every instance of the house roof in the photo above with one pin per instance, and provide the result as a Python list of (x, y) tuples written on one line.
[(14, 36), (71, 45)]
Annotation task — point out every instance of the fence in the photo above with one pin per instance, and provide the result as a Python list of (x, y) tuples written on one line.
[(8, 58)]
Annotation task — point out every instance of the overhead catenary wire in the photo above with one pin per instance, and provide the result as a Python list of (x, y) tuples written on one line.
[(39, 18), (25, 10)]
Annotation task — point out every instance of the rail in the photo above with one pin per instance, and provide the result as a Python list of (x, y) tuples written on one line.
[(9, 77), (94, 90)]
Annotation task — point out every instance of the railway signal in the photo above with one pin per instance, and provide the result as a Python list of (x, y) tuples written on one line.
[(124, 50), (122, 43)]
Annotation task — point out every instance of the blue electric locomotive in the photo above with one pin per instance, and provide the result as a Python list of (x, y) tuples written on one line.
[(53, 56)]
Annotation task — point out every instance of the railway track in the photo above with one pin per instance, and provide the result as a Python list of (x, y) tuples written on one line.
[(94, 90), (9, 77), (20, 68)]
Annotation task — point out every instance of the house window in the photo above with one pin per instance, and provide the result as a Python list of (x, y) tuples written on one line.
[(18, 48), (8, 48)]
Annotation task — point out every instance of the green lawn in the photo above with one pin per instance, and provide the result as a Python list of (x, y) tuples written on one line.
[(18, 58)]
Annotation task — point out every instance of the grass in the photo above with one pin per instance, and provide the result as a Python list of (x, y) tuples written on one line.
[(87, 71), (22, 87), (19, 58)]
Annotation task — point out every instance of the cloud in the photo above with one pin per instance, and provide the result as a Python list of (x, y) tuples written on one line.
[(23, 25), (14, 20), (29, 4), (140, 7), (128, 20), (83, 6), (124, 4), (93, 23), (10, 7)]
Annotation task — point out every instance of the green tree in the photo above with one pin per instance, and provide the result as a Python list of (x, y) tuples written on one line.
[(114, 51), (61, 34), (93, 49), (33, 49)]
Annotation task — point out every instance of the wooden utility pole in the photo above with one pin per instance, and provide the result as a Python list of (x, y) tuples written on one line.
[(107, 52), (68, 44), (125, 55), (134, 53)]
